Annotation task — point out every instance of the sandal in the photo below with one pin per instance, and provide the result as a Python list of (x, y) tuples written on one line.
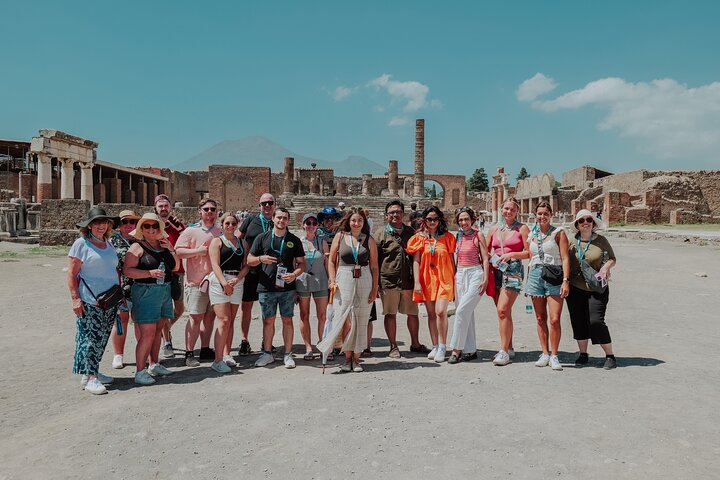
[(453, 359), (420, 349), (394, 352), (309, 355)]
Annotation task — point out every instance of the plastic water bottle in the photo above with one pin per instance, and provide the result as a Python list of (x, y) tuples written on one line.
[(161, 280), (528, 305)]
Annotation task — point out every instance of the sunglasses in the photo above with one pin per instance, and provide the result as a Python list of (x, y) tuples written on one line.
[(127, 221), (209, 209), (267, 204), (432, 219), (310, 223), (584, 220), (148, 226)]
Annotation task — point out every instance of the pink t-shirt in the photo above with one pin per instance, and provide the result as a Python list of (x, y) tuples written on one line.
[(198, 266)]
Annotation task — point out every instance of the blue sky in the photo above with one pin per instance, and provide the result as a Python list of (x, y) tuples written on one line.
[(549, 85)]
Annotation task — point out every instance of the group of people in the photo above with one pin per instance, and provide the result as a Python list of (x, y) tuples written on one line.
[(215, 268)]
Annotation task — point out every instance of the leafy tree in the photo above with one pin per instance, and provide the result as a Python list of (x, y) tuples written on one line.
[(523, 174), (431, 193), (478, 182)]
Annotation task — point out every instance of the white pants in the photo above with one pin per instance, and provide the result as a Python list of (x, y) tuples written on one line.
[(467, 297), (351, 296)]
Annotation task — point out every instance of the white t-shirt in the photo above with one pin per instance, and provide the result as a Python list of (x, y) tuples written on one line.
[(99, 268)]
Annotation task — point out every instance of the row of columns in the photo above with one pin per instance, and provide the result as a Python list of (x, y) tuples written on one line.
[(67, 178)]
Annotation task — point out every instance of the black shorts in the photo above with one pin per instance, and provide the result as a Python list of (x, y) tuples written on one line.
[(250, 285)]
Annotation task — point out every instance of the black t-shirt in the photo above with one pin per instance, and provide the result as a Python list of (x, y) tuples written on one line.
[(269, 244), (254, 225)]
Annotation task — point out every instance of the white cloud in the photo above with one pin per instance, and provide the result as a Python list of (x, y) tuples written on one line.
[(398, 121), (533, 87), (341, 93), (413, 94), (669, 119)]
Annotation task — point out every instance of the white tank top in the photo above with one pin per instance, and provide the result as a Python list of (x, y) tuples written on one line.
[(550, 247)]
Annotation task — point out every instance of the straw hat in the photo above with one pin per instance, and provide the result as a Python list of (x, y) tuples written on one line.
[(584, 213), (129, 214), (148, 217), (97, 213)]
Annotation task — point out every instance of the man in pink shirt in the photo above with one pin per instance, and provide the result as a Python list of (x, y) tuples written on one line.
[(192, 247)]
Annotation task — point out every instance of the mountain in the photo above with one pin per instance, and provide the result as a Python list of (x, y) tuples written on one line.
[(260, 151)]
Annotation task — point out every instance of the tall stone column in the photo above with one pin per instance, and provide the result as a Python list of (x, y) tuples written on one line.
[(67, 186), (152, 192), (142, 192), (419, 188), (289, 171), (393, 177), (44, 177), (366, 179), (86, 182)]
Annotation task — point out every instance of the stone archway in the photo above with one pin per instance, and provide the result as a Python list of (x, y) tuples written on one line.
[(454, 188)]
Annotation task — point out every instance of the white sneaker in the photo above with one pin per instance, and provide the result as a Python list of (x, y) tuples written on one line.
[(95, 387), (117, 361), (229, 361), (159, 370), (167, 351), (433, 352), (543, 360), (104, 379), (440, 354), (511, 353), (502, 358), (264, 359), (144, 378), (289, 361), (221, 367), (555, 363)]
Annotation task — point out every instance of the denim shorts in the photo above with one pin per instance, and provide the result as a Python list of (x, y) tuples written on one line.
[(537, 287), (151, 302), (269, 302), (515, 268)]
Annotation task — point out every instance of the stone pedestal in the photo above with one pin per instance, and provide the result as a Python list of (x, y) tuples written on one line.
[(152, 193), (44, 178), (67, 187), (86, 182), (366, 180), (99, 193), (142, 190), (114, 189)]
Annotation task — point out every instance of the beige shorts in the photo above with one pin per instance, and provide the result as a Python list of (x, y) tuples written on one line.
[(395, 300), (196, 302)]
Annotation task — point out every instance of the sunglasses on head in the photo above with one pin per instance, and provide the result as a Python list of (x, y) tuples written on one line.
[(267, 204), (209, 209), (148, 226), (584, 220), (128, 221)]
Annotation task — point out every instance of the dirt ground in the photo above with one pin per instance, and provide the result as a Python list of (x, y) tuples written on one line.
[(655, 416)]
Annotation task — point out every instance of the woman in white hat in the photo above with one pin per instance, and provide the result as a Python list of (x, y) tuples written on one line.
[(122, 240), (150, 263), (587, 306)]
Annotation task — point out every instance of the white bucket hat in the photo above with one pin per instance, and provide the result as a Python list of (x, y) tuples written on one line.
[(584, 213)]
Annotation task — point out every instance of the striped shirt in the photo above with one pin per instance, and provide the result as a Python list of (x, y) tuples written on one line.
[(468, 251)]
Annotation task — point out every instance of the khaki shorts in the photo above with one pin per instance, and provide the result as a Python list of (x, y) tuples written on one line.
[(196, 302), (395, 300)]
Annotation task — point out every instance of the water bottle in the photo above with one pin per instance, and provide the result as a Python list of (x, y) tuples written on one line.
[(161, 280), (528, 305)]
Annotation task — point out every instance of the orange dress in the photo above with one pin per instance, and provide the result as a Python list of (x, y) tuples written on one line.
[(437, 271)]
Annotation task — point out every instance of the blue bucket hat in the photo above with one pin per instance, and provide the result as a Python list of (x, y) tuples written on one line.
[(327, 212)]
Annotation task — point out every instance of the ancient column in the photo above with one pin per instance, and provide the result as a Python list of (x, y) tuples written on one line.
[(393, 177), (366, 179), (342, 188), (86, 182), (419, 189), (289, 171), (152, 192), (44, 177), (67, 187)]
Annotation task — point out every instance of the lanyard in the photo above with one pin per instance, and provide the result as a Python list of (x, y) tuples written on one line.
[(264, 222), (540, 241), (232, 247), (581, 254), (282, 244), (433, 245), (314, 251), (355, 251), (390, 230), (460, 235)]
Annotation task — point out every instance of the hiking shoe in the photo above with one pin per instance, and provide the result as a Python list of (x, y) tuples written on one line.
[(158, 370), (440, 354), (502, 358), (466, 357), (555, 363), (266, 358), (582, 359), (190, 360), (610, 363), (394, 352), (433, 352), (289, 361), (453, 359), (543, 360), (144, 378), (167, 350), (207, 353), (244, 348), (95, 387), (229, 361), (117, 361), (221, 367)]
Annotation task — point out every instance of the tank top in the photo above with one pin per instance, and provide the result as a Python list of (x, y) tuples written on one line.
[(468, 251), (231, 258), (346, 253), (512, 244), (550, 247), (151, 260)]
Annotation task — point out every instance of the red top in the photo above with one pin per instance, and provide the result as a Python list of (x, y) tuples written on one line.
[(512, 244)]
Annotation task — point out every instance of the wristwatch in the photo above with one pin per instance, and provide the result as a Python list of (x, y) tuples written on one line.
[(566, 279)]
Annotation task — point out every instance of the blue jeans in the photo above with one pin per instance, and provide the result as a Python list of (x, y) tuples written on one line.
[(537, 287)]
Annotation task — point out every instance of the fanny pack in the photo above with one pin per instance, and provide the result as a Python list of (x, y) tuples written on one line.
[(595, 283), (108, 299)]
